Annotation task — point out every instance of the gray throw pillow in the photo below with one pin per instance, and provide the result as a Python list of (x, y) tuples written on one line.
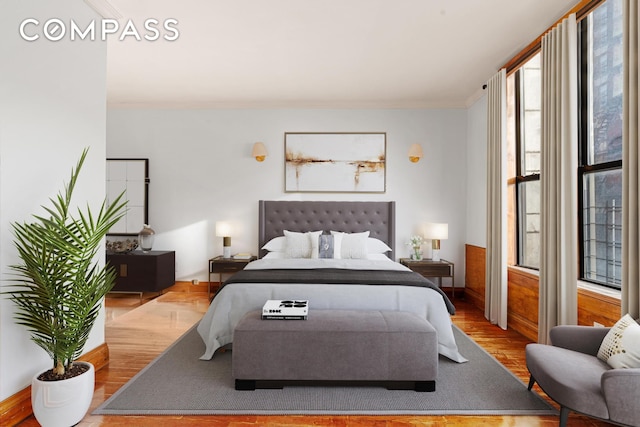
[(325, 246)]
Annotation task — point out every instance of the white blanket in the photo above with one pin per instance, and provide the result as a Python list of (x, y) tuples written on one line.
[(234, 301)]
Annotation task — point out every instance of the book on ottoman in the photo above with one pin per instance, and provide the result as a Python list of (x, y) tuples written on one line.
[(285, 309)]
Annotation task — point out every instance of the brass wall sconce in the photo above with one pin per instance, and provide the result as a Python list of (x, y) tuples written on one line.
[(415, 153), (259, 151)]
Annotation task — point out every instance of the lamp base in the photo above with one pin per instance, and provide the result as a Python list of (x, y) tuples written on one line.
[(226, 252), (435, 246)]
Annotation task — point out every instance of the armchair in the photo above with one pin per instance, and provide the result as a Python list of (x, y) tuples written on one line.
[(571, 374)]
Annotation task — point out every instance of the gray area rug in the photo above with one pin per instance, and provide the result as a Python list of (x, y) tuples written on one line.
[(177, 382)]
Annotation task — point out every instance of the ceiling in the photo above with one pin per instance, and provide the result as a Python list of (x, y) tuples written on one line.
[(320, 53)]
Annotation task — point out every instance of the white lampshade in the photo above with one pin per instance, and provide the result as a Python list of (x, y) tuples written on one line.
[(223, 229), (259, 151), (415, 153), (437, 231)]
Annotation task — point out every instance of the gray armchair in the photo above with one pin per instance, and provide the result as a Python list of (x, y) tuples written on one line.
[(570, 373)]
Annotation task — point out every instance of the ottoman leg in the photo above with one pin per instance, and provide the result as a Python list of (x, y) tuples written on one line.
[(425, 386), (245, 385)]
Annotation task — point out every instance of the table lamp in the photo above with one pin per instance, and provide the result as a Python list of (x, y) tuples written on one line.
[(436, 232), (223, 229)]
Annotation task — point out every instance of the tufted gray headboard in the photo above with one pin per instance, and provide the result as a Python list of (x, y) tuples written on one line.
[(350, 217)]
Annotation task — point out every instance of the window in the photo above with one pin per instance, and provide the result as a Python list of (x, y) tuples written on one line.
[(600, 150), (524, 115), (600, 171)]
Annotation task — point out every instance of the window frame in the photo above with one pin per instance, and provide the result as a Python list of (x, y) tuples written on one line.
[(520, 178), (584, 168)]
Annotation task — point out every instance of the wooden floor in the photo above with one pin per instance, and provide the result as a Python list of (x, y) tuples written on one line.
[(138, 330)]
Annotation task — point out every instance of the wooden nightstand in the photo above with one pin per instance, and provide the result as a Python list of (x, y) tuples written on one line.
[(220, 266), (431, 268), (140, 272)]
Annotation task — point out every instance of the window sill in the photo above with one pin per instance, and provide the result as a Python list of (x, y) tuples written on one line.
[(529, 271), (599, 290)]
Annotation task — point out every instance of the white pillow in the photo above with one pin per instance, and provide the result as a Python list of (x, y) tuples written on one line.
[(314, 245), (354, 245), (299, 245), (337, 246), (621, 346), (277, 244), (275, 255), (376, 246), (378, 257)]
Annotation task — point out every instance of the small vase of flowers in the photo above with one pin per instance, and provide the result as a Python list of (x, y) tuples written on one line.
[(416, 245)]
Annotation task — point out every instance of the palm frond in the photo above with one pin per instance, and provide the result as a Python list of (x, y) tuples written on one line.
[(58, 286)]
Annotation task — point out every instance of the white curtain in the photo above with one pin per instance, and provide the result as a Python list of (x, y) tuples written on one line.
[(496, 260), (558, 179), (630, 160)]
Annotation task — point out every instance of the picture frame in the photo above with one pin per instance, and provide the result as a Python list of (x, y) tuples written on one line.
[(341, 162)]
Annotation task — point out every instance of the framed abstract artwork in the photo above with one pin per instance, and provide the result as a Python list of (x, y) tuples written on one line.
[(335, 162)]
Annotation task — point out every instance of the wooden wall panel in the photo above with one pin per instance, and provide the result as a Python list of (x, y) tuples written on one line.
[(522, 315), (595, 307), (474, 275), (522, 303)]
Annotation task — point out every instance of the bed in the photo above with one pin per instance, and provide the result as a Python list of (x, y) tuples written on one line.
[(355, 282)]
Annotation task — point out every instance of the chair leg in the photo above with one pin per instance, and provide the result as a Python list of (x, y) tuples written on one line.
[(532, 381), (564, 415)]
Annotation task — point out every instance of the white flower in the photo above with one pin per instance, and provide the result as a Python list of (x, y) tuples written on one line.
[(415, 241)]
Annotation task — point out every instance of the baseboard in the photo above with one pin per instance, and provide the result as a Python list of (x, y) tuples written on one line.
[(98, 357), (17, 407), (453, 293), (476, 299), (188, 287)]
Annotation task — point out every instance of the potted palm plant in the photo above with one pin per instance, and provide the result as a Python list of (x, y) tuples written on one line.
[(58, 291)]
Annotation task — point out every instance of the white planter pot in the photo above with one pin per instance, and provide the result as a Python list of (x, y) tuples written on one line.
[(62, 403)]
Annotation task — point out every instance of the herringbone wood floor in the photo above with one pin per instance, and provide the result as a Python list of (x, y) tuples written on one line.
[(138, 331)]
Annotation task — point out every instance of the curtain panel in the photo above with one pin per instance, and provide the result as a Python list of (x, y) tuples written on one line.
[(630, 159), (558, 180), (496, 254)]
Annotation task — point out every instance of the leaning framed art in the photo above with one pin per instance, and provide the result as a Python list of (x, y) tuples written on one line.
[(346, 162)]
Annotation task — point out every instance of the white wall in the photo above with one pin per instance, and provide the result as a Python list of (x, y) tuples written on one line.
[(52, 105), (476, 152), (201, 171)]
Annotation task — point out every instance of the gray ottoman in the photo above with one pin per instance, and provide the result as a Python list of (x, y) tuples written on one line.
[(336, 345)]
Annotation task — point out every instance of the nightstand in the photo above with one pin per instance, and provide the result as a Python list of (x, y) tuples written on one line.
[(220, 266), (431, 268), (140, 272)]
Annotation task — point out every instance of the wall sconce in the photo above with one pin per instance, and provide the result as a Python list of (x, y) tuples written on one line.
[(223, 229), (259, 151), (436, 232), (415, 153)]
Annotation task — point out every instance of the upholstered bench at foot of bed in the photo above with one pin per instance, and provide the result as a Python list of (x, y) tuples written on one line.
[(336, 345)]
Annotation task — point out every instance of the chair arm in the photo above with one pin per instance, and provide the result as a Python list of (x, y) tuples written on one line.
[(585, 339), (620, 389)]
